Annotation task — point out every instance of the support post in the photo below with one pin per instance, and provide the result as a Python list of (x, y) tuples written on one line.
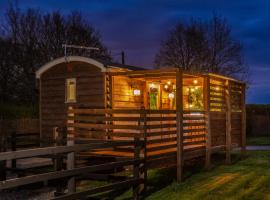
[(13, 148), (208, 146), (2, 149), (179, 125), (70, 142), (136, 168), (243, 118), (58, 160), (143, 166), (228, 122)]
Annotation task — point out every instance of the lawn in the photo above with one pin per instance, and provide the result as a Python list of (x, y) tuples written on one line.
[(248, 178), (261, 140)]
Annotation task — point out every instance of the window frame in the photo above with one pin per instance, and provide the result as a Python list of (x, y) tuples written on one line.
[(68, 80)]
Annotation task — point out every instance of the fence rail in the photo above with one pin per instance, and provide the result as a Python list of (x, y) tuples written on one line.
[(65, 173)]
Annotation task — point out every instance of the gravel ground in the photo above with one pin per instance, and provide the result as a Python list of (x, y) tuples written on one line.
[(27, 194)]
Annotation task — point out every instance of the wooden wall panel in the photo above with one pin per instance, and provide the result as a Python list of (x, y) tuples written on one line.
[(218, 128), (123, 93), (90, 92)]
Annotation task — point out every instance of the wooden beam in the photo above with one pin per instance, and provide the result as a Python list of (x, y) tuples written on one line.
[(208, 138), (179, 124), (243, 121), (228, 123)]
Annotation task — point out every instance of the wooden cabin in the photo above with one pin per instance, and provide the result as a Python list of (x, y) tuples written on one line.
[(179, 114), (71, 81)]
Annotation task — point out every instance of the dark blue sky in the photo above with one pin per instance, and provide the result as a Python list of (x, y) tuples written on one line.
[(138, 26)]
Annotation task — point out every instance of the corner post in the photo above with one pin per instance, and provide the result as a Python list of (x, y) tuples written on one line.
[(208, 138), (228, 122), (243, 122), (179, 125), (70, 142)]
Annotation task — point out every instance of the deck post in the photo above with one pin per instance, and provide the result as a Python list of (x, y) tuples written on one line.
[(143, 167), (179, 125), (137, 189), (58, 161), (13, 148), (243, 121), (208, 146), (70, 142), (228, 122)]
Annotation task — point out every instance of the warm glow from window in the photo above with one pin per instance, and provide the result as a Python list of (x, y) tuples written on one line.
[(71, 90)]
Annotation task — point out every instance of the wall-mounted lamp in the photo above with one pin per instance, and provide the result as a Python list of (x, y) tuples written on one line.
[(136, 92)]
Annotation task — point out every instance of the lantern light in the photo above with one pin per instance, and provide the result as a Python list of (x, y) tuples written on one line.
[(166, 87), (171, 95), (169, 82), (195, 81), (136, 92)]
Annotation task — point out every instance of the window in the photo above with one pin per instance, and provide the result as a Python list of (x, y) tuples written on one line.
[(70, 90)]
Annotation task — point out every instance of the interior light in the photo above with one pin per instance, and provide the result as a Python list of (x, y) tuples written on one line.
[(217, 88), (190, 105), (195, 81), (196, 87), (169, 82), (171, 95), (152, 85), (192, 90), (166, 87)]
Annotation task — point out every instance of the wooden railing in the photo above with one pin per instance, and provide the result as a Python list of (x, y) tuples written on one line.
[(157, 128), (136, 181)]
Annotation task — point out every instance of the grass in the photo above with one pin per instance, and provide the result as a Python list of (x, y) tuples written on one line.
[(261, 140), (247, 178)]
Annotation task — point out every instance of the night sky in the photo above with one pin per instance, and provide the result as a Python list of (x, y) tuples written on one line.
[(138, 26)]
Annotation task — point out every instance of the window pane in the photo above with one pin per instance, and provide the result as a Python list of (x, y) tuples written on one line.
[(71, 90)]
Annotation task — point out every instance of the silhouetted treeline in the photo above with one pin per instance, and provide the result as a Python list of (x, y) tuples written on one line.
[(29, 39)]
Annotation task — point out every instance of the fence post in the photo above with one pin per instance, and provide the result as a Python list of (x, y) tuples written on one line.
[(13, 147), (2, 149), (58, 160), (243, 121), (136, 168), (143, 168), (179, 125), (208, 147), (228, 122), (70, 142)]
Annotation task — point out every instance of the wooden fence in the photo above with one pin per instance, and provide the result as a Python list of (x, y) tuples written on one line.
[(67, 174)]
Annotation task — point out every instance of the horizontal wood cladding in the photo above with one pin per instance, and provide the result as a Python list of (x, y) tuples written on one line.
[(89, 91), (123, 92)]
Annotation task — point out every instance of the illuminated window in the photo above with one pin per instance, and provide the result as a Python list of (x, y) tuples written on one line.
[(71, 90)]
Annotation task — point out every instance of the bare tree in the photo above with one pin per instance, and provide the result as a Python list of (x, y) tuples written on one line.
[(203, 46), (34, 38)]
